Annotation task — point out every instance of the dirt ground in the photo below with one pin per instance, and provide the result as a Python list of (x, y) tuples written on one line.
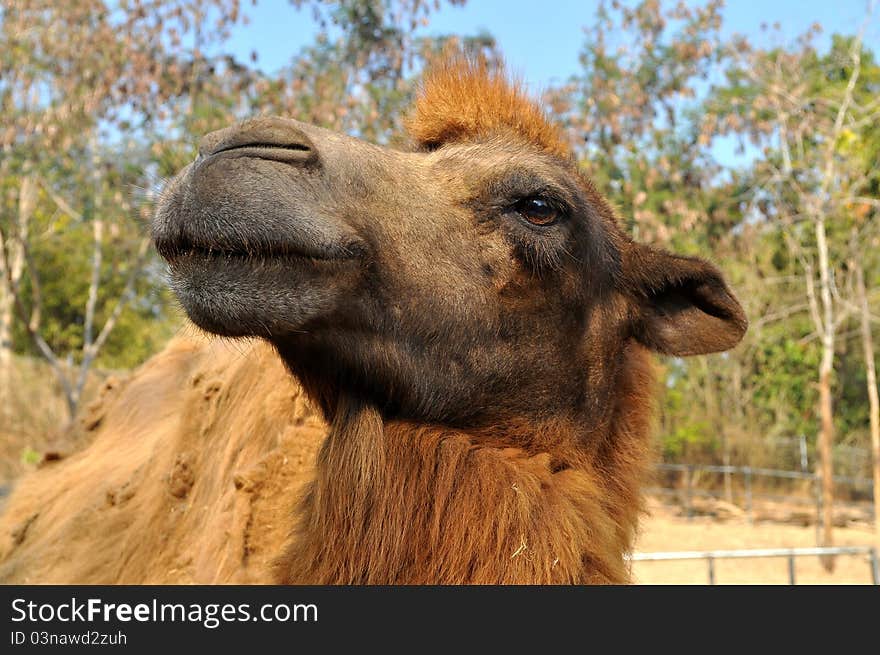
[(665, 530)]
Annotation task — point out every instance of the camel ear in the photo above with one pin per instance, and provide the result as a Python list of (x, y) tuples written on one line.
[(683, 305)]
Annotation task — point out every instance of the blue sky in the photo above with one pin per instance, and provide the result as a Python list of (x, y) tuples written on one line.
[(541, 39)]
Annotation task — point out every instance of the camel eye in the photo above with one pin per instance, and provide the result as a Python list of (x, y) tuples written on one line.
[(537, 211)]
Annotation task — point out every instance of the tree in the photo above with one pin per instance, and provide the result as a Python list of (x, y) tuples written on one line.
[(57, 95), (865, 316), (632, 116), (803, 110)]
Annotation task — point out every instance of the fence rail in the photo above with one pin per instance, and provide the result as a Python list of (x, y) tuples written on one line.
[(791, 553), (773, 473), (749, 495)]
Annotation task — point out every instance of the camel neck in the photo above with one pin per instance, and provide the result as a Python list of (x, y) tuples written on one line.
[(400, 503)]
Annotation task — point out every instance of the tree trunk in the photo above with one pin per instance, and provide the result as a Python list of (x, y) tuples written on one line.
[(826, 368), (6, 302), (873, 400), (713, 418), (11, 269), (88, 350), (826, 439)]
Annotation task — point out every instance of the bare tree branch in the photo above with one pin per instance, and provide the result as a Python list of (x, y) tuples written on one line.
[(91, 350), (59, 200)]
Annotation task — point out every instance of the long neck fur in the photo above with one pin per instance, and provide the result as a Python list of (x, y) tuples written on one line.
[(399, 503)]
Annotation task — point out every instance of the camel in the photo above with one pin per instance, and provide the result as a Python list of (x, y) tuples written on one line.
[(466, 317)]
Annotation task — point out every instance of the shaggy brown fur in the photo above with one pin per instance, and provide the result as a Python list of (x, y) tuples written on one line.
[(196, 462), (411, 504), (468, 317), (461, 101), (190, 476)]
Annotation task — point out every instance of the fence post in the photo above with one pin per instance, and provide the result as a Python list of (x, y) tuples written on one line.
[(748, 480), (805, 464), (688, 495), (711, 561), (875, 568), (791, 576)]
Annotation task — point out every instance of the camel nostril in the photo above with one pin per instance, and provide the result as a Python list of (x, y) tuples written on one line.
[(265, 133), (209, 142)]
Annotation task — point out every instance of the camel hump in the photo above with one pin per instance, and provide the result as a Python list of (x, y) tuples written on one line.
[(187, 477)]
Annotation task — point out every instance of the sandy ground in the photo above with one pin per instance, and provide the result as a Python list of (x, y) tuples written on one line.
[(664, 530)]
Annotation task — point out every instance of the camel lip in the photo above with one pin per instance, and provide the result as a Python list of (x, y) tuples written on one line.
[(176, 251)]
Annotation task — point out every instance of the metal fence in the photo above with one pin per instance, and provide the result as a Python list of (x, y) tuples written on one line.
[(750, 494), (795, 450), (791, 553)]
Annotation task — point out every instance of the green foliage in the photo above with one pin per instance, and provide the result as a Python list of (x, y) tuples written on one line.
[(687, 438), (785, 392), (30, 457)]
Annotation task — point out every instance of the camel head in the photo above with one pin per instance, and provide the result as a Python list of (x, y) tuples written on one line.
[(475, 277)]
